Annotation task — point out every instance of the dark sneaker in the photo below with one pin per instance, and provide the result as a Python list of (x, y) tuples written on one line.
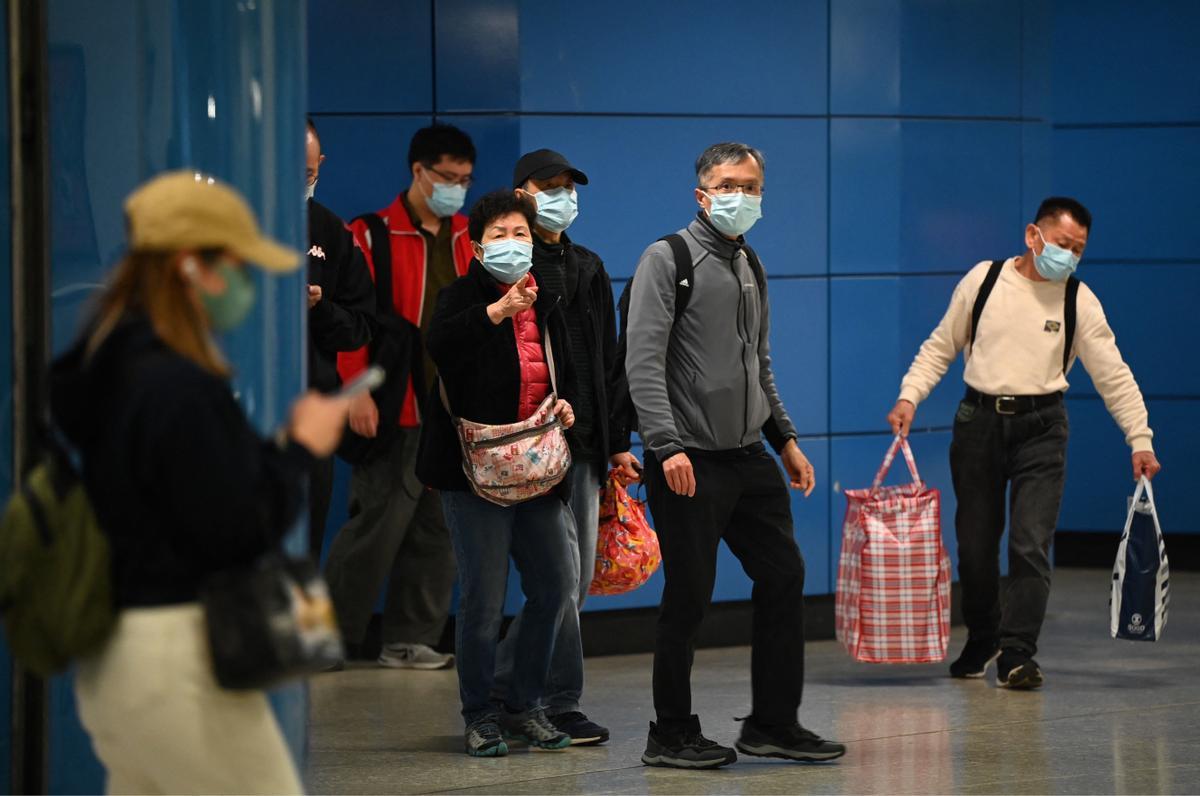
[(483, 738), (789, 743), (687, 748), (583, 731), (1018, 671), (975, 657), (532, 727)]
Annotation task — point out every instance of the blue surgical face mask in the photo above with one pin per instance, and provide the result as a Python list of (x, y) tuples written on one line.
[(310, 190), (1054, 263), (508, 260), (734, 213), (556, 208), (446, 199)]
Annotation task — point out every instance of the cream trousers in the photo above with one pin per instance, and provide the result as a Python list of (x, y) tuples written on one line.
[(160, 723)]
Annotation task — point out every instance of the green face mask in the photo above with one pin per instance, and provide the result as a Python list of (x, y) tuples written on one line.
[(228, 309)]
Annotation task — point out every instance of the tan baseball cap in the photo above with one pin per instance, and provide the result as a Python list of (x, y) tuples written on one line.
[(189, 210)]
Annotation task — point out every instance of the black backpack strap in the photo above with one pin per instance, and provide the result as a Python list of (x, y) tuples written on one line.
[(1069, 302), (684, 271), (981, 298), (381, 258), (760, 275)]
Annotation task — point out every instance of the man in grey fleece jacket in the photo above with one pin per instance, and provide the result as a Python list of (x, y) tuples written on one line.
[(705, 396)]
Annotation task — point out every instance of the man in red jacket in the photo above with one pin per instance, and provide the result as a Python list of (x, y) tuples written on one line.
[(396, 531)]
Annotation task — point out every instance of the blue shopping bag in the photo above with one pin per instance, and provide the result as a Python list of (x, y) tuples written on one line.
[(1141, 577)]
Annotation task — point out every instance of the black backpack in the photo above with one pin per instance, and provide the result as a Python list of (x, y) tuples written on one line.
[(1069, 301), (395, 346), (624, 413)]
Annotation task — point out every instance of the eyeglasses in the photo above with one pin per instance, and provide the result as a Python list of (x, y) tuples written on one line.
[(450, 178), (750, 188)]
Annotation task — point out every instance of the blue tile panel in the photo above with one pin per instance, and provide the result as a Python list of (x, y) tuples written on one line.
[(933, 57), (477, 55), (920, 196), (1116, 61), (369, 56), (701, 58)]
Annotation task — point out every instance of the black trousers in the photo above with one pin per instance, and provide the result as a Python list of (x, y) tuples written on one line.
[(741, 497), (320, 492), (1024, 455)]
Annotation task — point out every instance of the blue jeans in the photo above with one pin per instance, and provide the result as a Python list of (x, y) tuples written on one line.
[(564, 687), (484, 536)]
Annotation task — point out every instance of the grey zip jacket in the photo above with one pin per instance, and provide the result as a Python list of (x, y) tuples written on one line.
[(704, 382)]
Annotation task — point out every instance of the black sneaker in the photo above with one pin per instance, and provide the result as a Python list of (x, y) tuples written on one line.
[(789, 743), (975, 657), (533, 728), (483, 739), (583, 731), (687, 748), (1018, 671)]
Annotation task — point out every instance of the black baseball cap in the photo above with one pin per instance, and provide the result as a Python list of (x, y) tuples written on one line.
[(542, 164)]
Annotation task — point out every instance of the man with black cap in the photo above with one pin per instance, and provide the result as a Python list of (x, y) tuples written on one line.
[(569, 273)]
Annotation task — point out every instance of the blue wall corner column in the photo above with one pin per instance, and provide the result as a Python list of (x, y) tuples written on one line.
[(140, 87)]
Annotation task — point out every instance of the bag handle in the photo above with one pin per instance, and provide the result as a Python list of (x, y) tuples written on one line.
[(899, 443), (1145, 491)]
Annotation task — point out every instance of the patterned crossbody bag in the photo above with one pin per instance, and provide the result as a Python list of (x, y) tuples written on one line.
[(514, 462)]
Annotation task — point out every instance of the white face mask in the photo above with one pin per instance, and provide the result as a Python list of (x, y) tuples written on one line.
[(310, 190)]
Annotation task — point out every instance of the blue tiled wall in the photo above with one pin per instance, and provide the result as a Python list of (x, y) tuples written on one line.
[(905, 140), (1125, 141)]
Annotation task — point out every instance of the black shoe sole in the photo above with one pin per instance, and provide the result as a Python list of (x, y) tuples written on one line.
[(1026, 677), (665, 761), (783, 753)]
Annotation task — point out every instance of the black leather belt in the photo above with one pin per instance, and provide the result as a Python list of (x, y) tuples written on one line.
[(1012, 404)]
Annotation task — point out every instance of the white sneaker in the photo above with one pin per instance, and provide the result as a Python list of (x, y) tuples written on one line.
[(413, 656)]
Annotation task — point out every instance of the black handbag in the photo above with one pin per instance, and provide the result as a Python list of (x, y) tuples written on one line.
[(269, 623)]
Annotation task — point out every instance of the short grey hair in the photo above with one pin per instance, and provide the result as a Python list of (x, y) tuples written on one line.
[(727, 152)]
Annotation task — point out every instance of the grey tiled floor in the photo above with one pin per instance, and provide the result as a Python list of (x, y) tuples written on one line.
[(1114, 717)]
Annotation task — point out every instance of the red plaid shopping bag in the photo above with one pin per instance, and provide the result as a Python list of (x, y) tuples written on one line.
[(893, 589)]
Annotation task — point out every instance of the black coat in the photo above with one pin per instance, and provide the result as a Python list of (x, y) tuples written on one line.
[(341, 320), (477, 360), (594, 297), (181, 483)]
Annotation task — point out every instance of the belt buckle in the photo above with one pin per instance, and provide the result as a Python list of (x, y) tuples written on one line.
[(1011, 402)]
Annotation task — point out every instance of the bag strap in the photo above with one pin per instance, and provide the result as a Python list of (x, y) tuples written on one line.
[(1069, 302), (899, 443), (985, 290), (684, 271), (381, 258), (1144, 491)]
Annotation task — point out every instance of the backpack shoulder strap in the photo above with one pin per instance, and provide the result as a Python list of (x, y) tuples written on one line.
[(1069, 301), (684, 271), (760, 275), (381, 257), (981, 298)]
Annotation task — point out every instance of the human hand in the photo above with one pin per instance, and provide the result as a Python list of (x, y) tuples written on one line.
[(901, 417), (565, 413), (1145, 463), (518, 298), (317, 422), (681, 478), (627, 466), (364, 415), (801, 474), (314, 295)]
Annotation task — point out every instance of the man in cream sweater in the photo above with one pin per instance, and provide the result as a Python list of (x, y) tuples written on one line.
[(1014, 322)]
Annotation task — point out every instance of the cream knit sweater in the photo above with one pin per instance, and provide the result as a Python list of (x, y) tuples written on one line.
[(1019, 345)]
